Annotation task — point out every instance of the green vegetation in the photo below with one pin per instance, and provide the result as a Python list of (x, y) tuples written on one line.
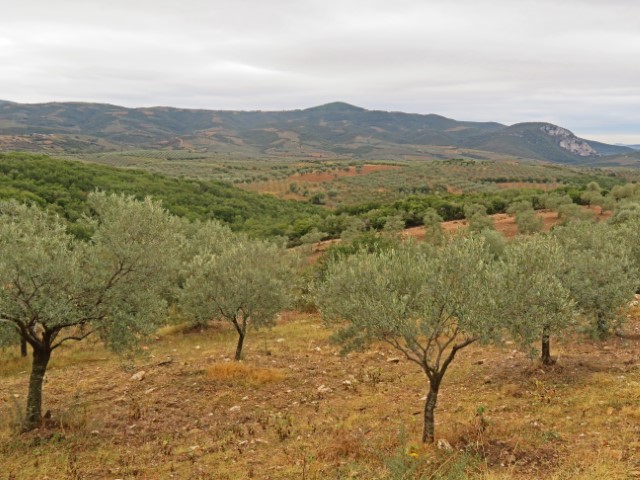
[(63, 186), (426, 304), (57, 289), (245, 283)]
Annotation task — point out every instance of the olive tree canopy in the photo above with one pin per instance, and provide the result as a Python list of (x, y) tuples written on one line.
[(246, 284), (55, 288), (426, 302)]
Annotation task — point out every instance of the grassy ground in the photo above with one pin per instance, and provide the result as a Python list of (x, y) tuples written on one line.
[(296, 409)]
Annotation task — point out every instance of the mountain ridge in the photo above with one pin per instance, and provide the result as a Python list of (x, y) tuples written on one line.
[(336, 129)]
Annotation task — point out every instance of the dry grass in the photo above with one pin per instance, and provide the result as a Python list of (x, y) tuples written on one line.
[(236, 371), (296, 409)]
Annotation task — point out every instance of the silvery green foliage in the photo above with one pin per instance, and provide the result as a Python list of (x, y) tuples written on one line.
[(494, 243), (247, 284), (477, 218), (519, 206), (56, 288), (393, 225), (626, 222), (531, 297), (423, 301), (627, 191), (526, 219), (313, 236), (598, 271), (200, 238), (626, 212), (571, 212), (433, 232), (354, 227), (553, 201)]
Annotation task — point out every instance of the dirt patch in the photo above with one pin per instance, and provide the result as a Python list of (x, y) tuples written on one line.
[(328, 176), (504, 223)]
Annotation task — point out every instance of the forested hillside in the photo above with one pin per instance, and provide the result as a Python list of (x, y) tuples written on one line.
[(64, 185)]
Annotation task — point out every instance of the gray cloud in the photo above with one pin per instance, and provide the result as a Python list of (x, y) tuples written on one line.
[(572, 62)]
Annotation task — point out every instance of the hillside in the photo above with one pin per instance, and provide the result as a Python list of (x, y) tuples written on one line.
[(333, 130), (63, 186)]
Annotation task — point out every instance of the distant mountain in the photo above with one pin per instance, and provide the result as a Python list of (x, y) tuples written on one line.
[(635, 147), (335, 129)]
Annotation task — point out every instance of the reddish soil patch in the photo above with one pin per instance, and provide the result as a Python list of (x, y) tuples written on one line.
[(330, 175), (504, 223), (539, 185)]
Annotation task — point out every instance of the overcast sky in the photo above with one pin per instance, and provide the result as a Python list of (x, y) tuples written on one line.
[(572, 62)]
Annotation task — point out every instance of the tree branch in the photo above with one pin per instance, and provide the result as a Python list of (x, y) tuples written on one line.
[(77, 338)]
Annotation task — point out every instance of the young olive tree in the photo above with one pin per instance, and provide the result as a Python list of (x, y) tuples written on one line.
[(531, 297), (571, 212), (553, 201), (598, 271), (427, 303), (526, 219), (433, 232), (477, 218), (55, 288), (246, 284)]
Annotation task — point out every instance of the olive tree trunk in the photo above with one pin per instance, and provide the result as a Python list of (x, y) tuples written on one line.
[(23, 347), (602, 326), (545, 354), (428, 433), (41, 358), (238, 356)]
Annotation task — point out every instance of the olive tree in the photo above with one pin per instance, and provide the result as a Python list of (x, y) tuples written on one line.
[(477, 218), (553, 201), (526, 219), (428, 303), (571, 212), (246, 284), (598, 271), (55, 288), (593, 195), (531, 299), (433, 232)]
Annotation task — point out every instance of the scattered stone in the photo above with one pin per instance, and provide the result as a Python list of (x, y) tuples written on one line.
[(245, 398), (610, 411), (197, 347), (95, 432), (280, 340), (137, 377), (324, 389), (393, 360), (149, 390), (443, 444), (235, 408)]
